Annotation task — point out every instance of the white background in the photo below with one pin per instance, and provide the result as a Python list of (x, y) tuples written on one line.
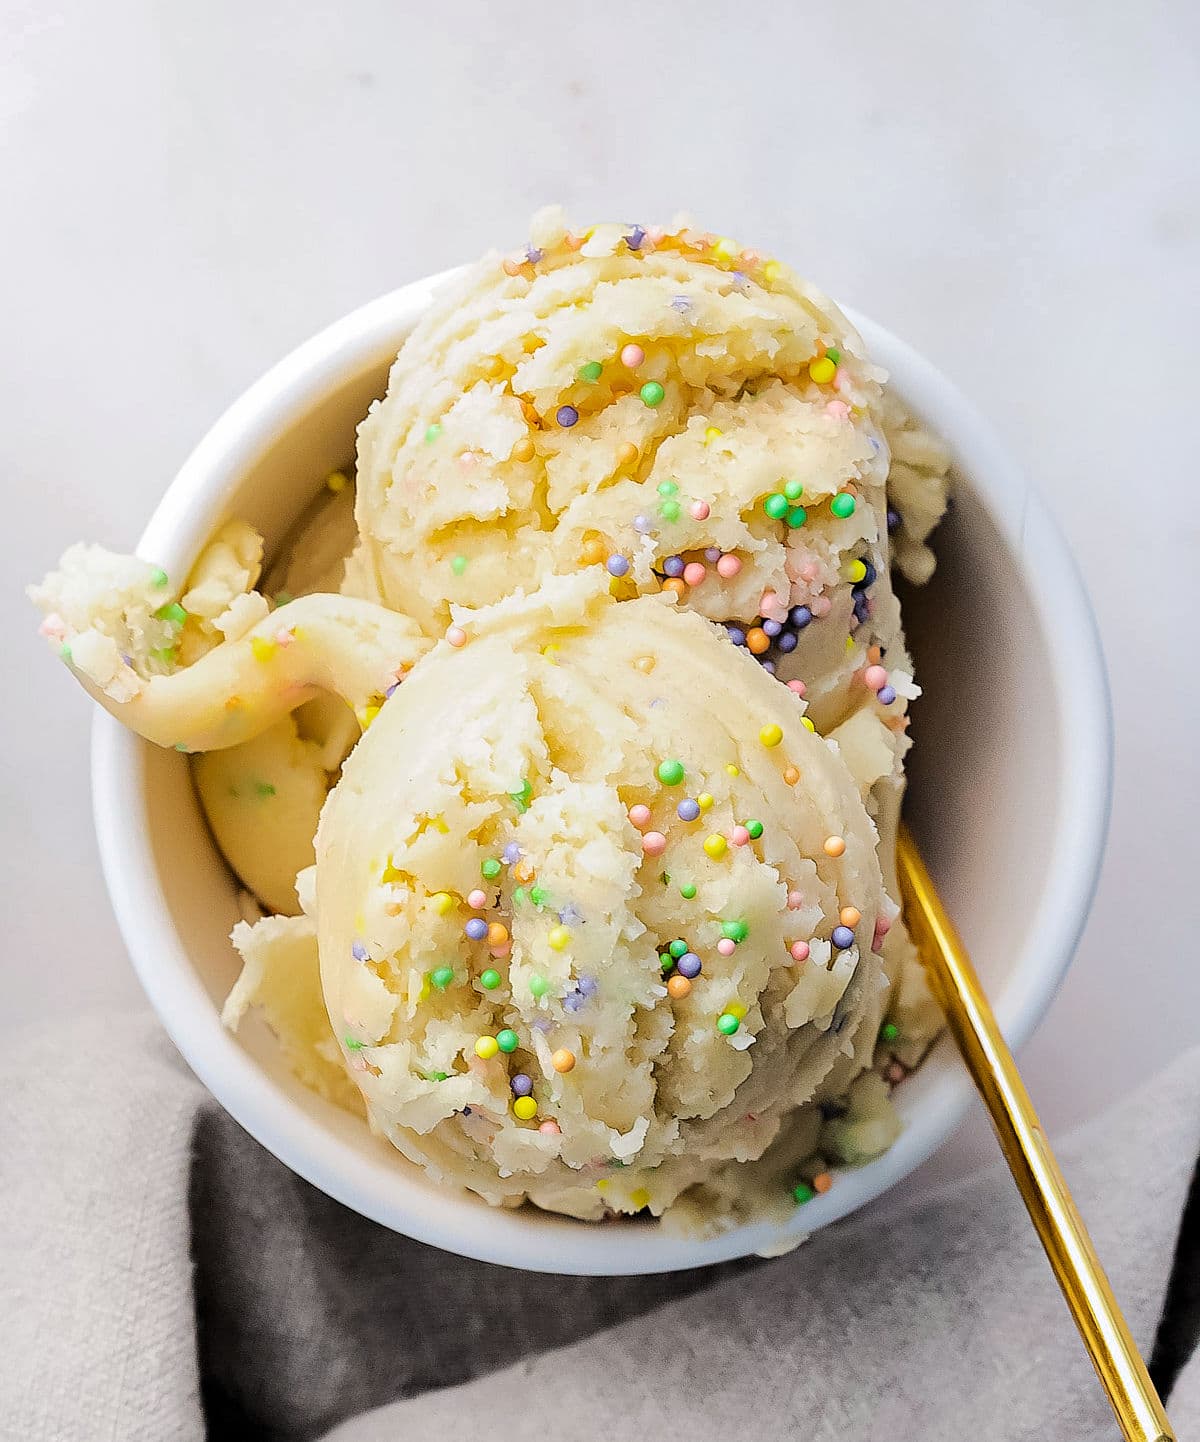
[(188, 190)]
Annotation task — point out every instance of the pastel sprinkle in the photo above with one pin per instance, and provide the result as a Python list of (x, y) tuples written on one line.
[(538, 985), (726, 946), (456, 636), (563, 1060), (678, 987), (889, 1031), (631, 357), (489, 979), (842, 937), (795, 900), (639, 815), (477, 899), (795, 517), (694, 573), (739, 836), (791, 776), (755, 828), (507, 1040), (727, 1023), (802, 1193), (521, 1084), (669, 510), (771, 735), (776, 506), (591, 371), (728, 566), (654, 843), (476, 928), (486, 1047), (559, 937), (704, 801), (687, 890), (799, 950), (442, 976), (497, 934), (678, 948), (352, 1043), (667, 488), (688, 810), (822, 371), (566, 416), (842, 505), (850, 916), (715, 845), (432, 433), (670, 772), (617, 565), (550, 1128), (158, 578), (652, 394), (458, 564), (833, 846), (735, 930), (689, 965), (489, 867), (524, 1108), (886, 694), (875, 678)]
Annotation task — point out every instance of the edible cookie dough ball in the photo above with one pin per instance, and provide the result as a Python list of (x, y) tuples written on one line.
[(595, 907)]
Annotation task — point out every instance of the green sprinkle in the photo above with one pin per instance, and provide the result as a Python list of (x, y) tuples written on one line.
[(442, 976), (538, 895), (667, 488), (735, 930), (670, 772), (520, 896), (520, 797), (669, 510), (727, 1023), (591, 370), (652, 394), (678, 948), (458, 564), (172, 612), (489, 868), (802, 1193), (65, 651), (666, 960), (507, 1041), (353, 1043), (889, 1031), (793, 490), (687, 890), (158, 578), (436, 1076), (179, 746), (796, 517), (834, 354), (165, 654), (431, 433), (538, 985), (264, 788), (776, 506), (755, 828), (490, 979), (842, 505)]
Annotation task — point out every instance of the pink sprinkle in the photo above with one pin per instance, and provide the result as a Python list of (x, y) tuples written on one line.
[(799, 950), (477, 900), (467, 459), (654, 843), (283, 637), (550, 1129), (728, 566), (798, 687), (839, 410), (456, 636), (632, 356), (769, 599), (640, 816), (896, 1072), (739, 836), (726, 947), (693, 573), (882, 925), (808, 571), (53, 625), (875, 677), (820, 605), (795, 900), (701, 510)]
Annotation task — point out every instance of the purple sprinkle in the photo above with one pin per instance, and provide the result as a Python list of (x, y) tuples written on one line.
[(359, 952), (862, 607), (572, 1001), (688, 965), (570, 915), (712, 554), (532, 254), (476, 928), (736, 635), (772, 628), (786, 642), (466, 1111), (543, 1025), (521, 1085), (688, 810), (511, 854), (740, 277), (894, 520), (842, 937), (588, 985), (129, 662), (673, 566), (567, 416), (617, 565), (641, 524), (395, 686), (800, 616), (681, 303), (635, 237), (769, 667), (886, 694)]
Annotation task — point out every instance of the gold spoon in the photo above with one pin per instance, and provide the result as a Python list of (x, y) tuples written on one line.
[(970, 1018)]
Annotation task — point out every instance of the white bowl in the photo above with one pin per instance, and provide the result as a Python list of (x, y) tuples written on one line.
[(1009, 797)]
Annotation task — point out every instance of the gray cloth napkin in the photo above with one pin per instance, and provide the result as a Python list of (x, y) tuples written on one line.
[(162, 1277)]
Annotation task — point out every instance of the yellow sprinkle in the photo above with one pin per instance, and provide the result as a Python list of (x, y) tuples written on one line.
[(443, 902), (704, 801), (822, 371), (559, 937), (807, 723), (732, 770), (735, 1008), (367, 715), (486, 1047), (715, 845), (726, 249), (524, 1108), (645, 664), (262, 648), (601, 1184), (771, 271), (551, 654), (771, 735), (639, 1198), (337, 481), (712, 434), (856, 572)]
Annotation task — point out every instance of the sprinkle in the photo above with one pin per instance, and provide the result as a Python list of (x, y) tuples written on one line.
[(158, 578), (524, 1108), (704, 801), (894, 520), (521, 1084), (538, 985), (726, 946), (458, 564), (538, 895), (669, 510), (476, 928), (652, 394), (507, 1040), (442, 976), (523, 450), (712, 554), (520, 797), (456, 636), (694, 573), (511, 853), (687, 890), (735, 634), (850, 916), (728, 566), (886, 694), (771, 735), (654, 843), (772, 628), (889, 1031), (489, 979), (799, 951), (489, 868), (822, 1182), (833, 846), (678, 948), (822, 371), (566, 416), (635, 238), (875, 677), (735, 930), (800, 616), (856, 571), (808, 723), (772, 271), (678, 987), (727, 1023), (262, 648), (739, 836), (802, 1193), (563, 1060), (842, 937), (627, 454), (559, 937), (795, 900), (352, 1043), (486, 1047), (337, 481), (639, 815), (689, 965), (688, 810), (796, 517), (776, 506), (642, 524), (757, 641), (670, 772), (842, 505), (67, 655), (477, 899), (725, 249), (591, 370), (617, 565), (359, 952), (667, 488), (631, 357), (550, 1129), (497, 933), (715, 845), (791, 776)]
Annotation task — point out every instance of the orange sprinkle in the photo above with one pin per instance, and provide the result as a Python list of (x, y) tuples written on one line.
[(757, 640), (834, 846), (531, 416), (523, 450), (679, 987), (873, 655), (676, 584), (850, 916), (512, 267), (822, 1182), (791, 776), (594, 551), (563, 1060), (497, 934), (627, 454), (523, 872)]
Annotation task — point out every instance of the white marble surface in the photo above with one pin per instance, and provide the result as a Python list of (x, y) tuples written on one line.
[(190, 190)]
